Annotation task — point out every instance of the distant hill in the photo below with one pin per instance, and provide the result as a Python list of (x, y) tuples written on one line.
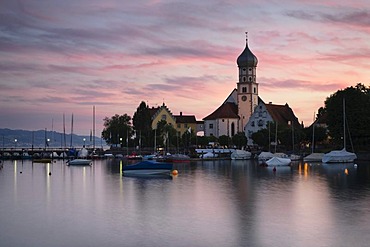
[(25, 138)]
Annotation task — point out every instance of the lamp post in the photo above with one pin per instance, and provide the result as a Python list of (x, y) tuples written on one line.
[(84, 141), (15, 143), (120, 142)]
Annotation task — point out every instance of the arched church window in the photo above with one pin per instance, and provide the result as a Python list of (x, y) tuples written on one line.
[(254, 90), (244, 79), (250, 78), (232, 129)]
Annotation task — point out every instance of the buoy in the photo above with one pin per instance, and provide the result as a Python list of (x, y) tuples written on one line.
[(346, 171), (175, 172)]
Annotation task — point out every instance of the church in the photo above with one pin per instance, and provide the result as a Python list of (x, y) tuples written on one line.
[(243, 107)]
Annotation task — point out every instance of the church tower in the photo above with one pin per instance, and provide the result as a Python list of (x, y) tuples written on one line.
[(247, 86)]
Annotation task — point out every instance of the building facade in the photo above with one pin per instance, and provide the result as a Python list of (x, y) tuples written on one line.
[(265, 113), (231, 117)]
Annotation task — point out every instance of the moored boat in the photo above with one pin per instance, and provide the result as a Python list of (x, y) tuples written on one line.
[(79, 162), (148, 167), (277, 161), (240, 155)]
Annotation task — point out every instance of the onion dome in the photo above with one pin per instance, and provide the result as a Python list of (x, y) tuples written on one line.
[(247, 58)]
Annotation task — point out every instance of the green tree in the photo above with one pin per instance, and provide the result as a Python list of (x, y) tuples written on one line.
[(261, 138), (166, 134), (142, 124), (116, 127), (224, 140), (357, 108), (239, 139)]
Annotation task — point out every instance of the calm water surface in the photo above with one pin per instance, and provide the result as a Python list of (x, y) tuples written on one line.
[(210, 203)]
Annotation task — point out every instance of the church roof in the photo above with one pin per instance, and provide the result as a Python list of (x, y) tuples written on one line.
[(226, 110), (282, 114), (247, 58)]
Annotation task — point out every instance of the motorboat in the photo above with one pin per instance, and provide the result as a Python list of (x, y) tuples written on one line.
[(148, 167), (240, 155), (79, 162), (277, 161)]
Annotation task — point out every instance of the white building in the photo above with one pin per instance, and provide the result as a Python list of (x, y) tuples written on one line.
[(234, 113)]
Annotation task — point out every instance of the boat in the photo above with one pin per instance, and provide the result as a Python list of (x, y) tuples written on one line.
[(240, 155), (277, 161), (148, 167), (264, 156), (174, 158), (79, 162), (340, 156), (208, 155), (313, 157)]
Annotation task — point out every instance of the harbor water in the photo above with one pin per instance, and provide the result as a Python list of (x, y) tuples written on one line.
[(209, 203)]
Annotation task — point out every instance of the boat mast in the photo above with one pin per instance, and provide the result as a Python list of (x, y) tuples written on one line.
[(344, 123), (93, 134), (313, 134)]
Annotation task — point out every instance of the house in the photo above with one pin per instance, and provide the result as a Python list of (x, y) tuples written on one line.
[(181, 123), (265, 113)]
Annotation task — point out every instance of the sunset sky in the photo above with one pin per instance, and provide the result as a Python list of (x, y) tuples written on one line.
[(66, 56)]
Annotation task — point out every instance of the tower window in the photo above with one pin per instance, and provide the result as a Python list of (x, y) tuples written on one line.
[(254, 90), (244, 89), (244, 79), (250, 78), (211, 126)]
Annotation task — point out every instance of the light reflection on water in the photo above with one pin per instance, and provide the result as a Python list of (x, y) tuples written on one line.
[(210, 203)]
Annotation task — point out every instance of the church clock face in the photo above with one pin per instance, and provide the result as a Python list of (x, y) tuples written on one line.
[(244, 98)]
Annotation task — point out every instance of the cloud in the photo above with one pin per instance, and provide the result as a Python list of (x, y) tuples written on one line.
[(343, 16)]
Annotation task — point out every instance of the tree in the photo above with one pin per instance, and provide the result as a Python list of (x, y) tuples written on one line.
[(142, 123), (166, 134), (357, 108), (116, 127), (239, 139), (224, 140)]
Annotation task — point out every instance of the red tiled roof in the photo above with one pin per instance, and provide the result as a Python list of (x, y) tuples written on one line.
[(185, 119), (226, 110), (282, 114), (153, 111)]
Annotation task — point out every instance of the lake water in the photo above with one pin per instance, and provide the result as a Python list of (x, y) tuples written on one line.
[(210, 203)]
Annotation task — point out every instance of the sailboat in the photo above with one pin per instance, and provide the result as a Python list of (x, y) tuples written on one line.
[(313, 157), (340, 156)]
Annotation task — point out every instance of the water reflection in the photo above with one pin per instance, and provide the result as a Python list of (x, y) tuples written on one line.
[(210, 203)]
